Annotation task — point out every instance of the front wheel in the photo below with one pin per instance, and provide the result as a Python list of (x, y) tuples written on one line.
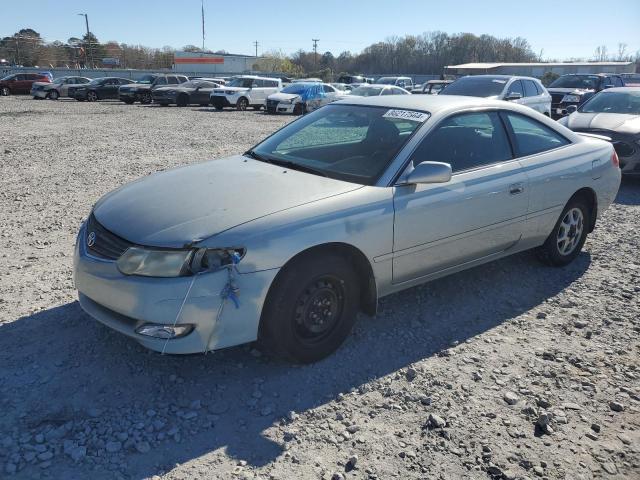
[(5, 92), (311, 308), (53, 95), (242, 104), (128, 101), (566, 240), (146, 98), (92, 96)]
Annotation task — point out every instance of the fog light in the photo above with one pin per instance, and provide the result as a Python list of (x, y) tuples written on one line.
[(164, 331)]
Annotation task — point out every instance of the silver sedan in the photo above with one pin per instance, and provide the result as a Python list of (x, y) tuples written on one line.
[(357, 200)]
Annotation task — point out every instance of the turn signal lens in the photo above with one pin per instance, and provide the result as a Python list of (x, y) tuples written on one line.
[(615, 160)]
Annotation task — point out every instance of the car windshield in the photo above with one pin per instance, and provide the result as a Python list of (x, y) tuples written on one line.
[(367, 91), (346, 142), (386, 81), (587, 82), (613, 102), (241, 82), (147, 79), (96, 81), (476, 87), (296, 88), (8, 77)]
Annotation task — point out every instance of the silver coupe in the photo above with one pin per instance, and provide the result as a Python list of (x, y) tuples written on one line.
[(364, 197)]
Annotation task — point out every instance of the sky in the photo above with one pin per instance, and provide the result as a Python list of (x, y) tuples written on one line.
[(559, 29)]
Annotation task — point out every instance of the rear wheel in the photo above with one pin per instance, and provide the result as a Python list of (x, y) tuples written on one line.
[(129, 101), (566, 240), (53, 95), (218, 107), (5, 91), (311, 308), (145, 98), (182, 101), (242, 104), (92, 96)]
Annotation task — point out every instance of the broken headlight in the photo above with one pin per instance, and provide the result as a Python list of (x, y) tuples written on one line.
[(176, 263)]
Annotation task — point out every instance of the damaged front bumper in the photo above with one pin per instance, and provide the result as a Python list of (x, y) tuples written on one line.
[(127, 302)]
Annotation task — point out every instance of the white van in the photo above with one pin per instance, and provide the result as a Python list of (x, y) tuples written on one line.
[(245, 91)]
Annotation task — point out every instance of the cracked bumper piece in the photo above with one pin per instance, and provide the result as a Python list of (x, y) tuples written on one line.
[(129, 303)]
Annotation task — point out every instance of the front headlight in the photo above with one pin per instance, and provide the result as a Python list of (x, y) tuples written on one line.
[(571, 99), (176, 263), (293, 100)]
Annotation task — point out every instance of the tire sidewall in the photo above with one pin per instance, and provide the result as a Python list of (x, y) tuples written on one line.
[(277, 327)]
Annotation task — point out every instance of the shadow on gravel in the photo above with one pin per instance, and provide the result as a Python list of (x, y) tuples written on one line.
[(59, 365), (629, 193)]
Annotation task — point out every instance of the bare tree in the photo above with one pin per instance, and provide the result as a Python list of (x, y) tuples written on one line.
[(601, 54)]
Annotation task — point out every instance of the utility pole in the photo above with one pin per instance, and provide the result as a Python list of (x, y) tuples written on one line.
[(202, 3), (87, 56), (255, 44), (315, 52)]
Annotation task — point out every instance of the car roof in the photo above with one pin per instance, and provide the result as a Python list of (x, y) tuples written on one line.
[(427, 103), (503, 77)]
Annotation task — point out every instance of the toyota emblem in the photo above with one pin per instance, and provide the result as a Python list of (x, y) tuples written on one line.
[(91, 239)]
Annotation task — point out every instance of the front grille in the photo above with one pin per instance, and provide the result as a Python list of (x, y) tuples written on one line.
[(106, 244)]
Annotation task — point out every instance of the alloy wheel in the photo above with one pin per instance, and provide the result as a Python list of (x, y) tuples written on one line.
[(570, 231)]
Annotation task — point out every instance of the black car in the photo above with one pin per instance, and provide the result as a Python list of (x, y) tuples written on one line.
[(191, 92), (575, 89), (353, 79), (98, 89), (141, 91)]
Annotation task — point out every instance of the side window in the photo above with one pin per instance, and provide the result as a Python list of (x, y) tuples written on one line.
[(530, 89), (515, 87), (273, 83), (172, 80), (182, 79), (466, 141), (617, 82), (539, 88), (259, 83), (532, 136), (161, 81), (387, 91), (20, 76), (328, 89)]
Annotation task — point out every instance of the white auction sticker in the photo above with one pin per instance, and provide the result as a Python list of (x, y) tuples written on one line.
[(407, 115)]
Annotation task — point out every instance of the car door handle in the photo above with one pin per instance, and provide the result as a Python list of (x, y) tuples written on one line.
[(516, 188)]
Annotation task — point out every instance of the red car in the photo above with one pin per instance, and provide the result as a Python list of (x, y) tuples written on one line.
[(20, 83)]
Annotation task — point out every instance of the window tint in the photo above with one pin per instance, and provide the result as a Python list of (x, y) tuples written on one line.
[(530, 89), (515, 87), (273, 83), (161, 81), (21, 76), (387, 91), (617, 82), (173, 80), (328, 89), (466, 141), (532, 136)]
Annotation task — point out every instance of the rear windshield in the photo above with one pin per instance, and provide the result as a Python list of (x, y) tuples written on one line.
[(476, 87), (613, 102)]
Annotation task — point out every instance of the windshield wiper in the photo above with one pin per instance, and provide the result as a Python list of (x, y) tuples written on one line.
[(255, 156), (285, 163)]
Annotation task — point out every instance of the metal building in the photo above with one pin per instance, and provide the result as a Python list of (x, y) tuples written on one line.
[(208, 63), (539, 69)]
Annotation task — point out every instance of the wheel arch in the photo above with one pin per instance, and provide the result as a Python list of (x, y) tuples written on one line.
[(355, 256), (591, 199)]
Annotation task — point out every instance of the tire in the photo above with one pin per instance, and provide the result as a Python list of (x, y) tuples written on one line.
[(5, 91), (242, 104), (145, 98), (182, 101), (129, 101), (92, 96), (290, 326), (53, 95), (300, 109), (567, 238)]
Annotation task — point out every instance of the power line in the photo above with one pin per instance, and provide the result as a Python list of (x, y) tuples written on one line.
[(255, 44)]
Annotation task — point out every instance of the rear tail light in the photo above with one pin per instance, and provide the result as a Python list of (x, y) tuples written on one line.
[(614, 159)]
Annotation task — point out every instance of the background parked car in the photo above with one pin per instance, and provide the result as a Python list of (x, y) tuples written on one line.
[(614, 113), (631, 79), (300, 98), (244, 91), (523, 90), (431, 87), (56, 89), (575, 89), (141, 91), (343, 87), (404, 82), (187, 93), (20, 83), (352, 79), (368, 90), (98, 89)]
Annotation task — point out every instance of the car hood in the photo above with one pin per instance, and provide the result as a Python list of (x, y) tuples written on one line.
[(181, 206), (617, 122), (575, 91), (281, 97)]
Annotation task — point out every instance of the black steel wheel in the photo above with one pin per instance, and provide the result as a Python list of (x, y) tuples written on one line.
[(145, 98), (311, 307)]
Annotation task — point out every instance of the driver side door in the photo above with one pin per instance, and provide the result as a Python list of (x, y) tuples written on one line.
[(478, 214)]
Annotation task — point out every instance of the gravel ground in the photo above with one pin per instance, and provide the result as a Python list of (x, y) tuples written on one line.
[(511, 370)]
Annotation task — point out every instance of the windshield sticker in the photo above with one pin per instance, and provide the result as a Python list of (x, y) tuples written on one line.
[(407, 115)]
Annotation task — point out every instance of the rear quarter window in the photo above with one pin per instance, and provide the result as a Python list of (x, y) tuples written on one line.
[(533, 137)]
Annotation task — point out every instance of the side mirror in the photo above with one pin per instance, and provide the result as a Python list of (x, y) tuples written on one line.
[(571, 109), (430, 172), (513, 96)]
